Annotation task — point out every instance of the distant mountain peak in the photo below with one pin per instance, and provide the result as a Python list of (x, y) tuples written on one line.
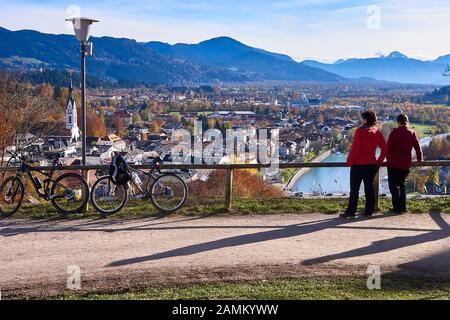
[(395, 67), (222, 40), (397, 55)]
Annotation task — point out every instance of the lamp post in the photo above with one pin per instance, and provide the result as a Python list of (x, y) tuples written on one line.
[(81, 27)]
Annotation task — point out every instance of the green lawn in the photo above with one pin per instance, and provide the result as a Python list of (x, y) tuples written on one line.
[(204, 113), (211, 207), (336, 288), (421, 129)]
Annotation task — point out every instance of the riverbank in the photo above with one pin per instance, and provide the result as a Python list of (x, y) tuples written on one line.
[(291, 183)]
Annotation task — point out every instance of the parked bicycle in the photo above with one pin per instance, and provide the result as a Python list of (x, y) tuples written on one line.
[(167, 191), (69, 192)]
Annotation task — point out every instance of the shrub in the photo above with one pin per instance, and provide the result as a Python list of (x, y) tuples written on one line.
[(246, 184)]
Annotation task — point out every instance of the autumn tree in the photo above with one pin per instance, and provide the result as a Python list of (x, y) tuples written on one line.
[(154, 127), (294, 112), (176, 118), (387, 128), (118, 125), (61, 95), (262, 123), (24, 109), (160, 122), (320, 119), (45, 90), (95, 125), (6, 133), (146, 114), (437, 149), (211, 123), (137, 120), (247, 184)]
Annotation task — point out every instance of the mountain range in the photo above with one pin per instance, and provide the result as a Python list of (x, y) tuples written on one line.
[(126, 59), (255, 64), (221, 59), (115, 59), (395, 67)]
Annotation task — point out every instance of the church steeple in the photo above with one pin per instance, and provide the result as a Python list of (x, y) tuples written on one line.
[(71, 88), (71, 85), (71, 113)]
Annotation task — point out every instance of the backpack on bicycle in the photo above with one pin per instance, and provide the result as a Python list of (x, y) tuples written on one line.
[(119, 171)]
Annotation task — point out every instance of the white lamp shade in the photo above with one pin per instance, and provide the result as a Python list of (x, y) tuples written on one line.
[(81, 27)]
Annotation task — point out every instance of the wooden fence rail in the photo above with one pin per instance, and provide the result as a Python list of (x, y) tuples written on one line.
[(231, 167)]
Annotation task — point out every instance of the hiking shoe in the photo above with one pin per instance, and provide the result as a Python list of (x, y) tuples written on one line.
[(347, 216), (395, 212)]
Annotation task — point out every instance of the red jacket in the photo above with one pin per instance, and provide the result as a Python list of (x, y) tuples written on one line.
[(364, 146), (400, 144)]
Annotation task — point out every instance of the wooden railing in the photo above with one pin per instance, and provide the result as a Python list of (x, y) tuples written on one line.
[(231, 167)]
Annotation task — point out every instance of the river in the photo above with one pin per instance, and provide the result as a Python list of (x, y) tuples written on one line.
[(332, 180), (337, 180)]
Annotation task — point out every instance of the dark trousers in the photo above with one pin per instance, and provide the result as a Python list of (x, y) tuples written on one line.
[(397, 179), (366, 174)]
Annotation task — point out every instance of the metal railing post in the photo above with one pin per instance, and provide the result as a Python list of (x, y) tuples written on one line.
[(229, 190), (85, 174)]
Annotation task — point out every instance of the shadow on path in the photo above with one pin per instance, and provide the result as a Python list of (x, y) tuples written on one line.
[(16, 228), (280, 233), (390, 244)]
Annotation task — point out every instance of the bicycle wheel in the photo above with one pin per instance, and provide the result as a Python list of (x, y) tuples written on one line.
[(108, 198), (70, 193), (11, 196), (168, 193)]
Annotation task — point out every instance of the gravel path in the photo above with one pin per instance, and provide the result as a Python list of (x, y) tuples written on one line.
[(35, 255)]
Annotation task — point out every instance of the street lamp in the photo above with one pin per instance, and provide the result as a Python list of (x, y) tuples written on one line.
[(81, 27)]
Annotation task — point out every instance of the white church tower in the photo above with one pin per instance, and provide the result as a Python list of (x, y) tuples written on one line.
[(71, 114)]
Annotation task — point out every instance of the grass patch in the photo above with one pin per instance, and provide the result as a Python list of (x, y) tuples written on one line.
[(318, 288), (422, 130), (214, 206)]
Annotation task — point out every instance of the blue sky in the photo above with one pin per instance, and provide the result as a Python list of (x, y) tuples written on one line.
[(320, 29)]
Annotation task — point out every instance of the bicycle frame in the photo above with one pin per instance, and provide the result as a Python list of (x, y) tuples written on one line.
[(47, 183), (137, 188), (150, 174)]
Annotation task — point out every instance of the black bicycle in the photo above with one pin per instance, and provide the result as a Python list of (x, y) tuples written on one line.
[(167, 191), (69, 192)]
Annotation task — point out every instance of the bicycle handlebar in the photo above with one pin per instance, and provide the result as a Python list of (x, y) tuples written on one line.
[(12, 154), (16, 155), (156, 160), (26, 159)]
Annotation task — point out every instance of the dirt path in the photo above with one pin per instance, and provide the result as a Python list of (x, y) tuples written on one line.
[(118, 255)]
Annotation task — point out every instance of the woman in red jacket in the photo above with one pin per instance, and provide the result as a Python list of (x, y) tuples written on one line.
[(364, 164), (400, 144)]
